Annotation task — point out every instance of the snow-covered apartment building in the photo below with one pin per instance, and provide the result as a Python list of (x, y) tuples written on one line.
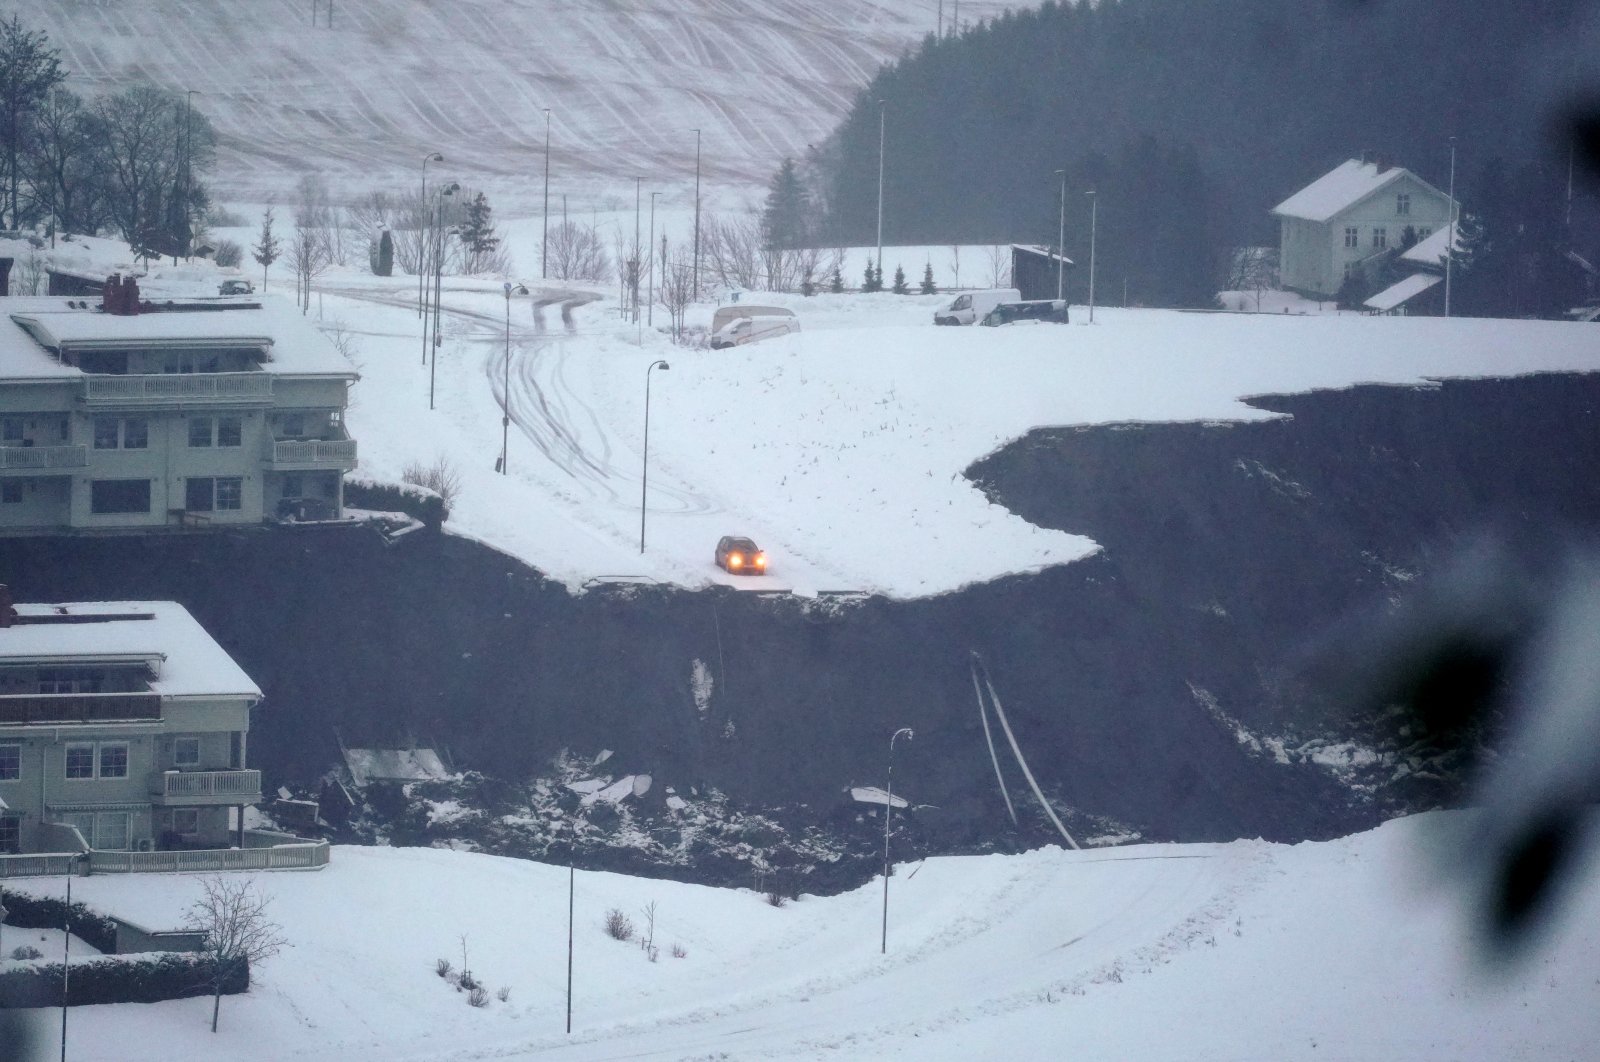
[(125, 414), (1356, 212), (123, 742)]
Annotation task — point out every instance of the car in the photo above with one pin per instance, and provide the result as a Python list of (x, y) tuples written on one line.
[(1053, 311), (740, 556), (235, 287)]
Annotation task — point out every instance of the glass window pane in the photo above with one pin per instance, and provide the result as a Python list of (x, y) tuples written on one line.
[(113, 761), (105, 433), (230, 431), (111, 831), (230, 492), (200, 431), (119, 496), (10, 763), (135, 433), (186, 752), (197, 494), (80, 761)]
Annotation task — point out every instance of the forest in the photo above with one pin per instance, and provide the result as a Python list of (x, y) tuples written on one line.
[(1190, 120)]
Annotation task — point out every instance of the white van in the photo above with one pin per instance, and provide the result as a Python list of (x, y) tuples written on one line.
[(971, 307), (734, 326)]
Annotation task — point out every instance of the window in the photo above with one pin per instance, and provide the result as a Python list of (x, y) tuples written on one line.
[(111, 831), (186, 752), (114, 760), (292, 425), (230, 431), (10, 762), (185, 820), (11, 491), (1380, 237), (105, 433), (11, 431), (132, 433), (293, 487), (80, 762), (68, 680), (202, 494), (1423, 234), (10, 834), (200, 431), (119, 496), (1352, 236), (135, 433), (1402, 203)]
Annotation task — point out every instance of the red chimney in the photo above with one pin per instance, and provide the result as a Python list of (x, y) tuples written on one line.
[(120, 296), (110, 292)]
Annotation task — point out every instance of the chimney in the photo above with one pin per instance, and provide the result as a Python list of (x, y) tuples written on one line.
[(1384, 165), (109, 293), (130, 296)]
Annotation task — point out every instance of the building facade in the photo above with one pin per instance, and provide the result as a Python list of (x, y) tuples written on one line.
[(122, 415), (125, 722), (1358, 213)]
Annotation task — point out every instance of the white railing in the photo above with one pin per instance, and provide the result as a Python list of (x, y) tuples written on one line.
[(44, 456), (309, 855), (42, 865), (245, 783), (178, 387), (312, 452)]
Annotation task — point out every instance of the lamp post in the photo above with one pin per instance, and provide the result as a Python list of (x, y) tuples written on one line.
[(697, 215), (544, 253), (422, 242), (1061, 236), (1450, 240), (66, 951), (650, 291), (880, 187), (505, 393), (644, 479), (438, 287), (188, 172), (888, 813), (1094, 214)]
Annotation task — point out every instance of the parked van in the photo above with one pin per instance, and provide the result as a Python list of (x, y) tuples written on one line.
[(1053, 311), (734, 326), (970, 307)]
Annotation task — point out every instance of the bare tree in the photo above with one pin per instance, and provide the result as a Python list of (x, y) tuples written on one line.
[(577, 253), (238, 933), (31, 278), (1252, 269), (955, 265), (999, 265), (62, 161), (312, 249), (677, 288), (730, 250)]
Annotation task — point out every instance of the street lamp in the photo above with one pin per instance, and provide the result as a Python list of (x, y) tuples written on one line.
[(645, 478), (422, 243), (1094, 213), (438, 287), (1450, 240), (697, 215), (880, 187), (188, 173), (544, 254), (888, 812), (650, 292), (1061, 236), (505, 393)]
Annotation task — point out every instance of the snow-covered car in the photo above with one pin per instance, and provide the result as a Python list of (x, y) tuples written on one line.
[(235, 287), (1053, 311), (740, 556)]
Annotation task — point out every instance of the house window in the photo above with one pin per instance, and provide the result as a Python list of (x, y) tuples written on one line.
[(119, 496), (200, 431), (186, 820), (1402, 203), (11, 431), (114, 760), (292, 425), (186, 752), (135, 433), (1352, 236), (1380, 237), (293, 487), (10, 834), (111, 831), (105, 433), (202, 494), (1423, 234), (230, 431), (80, 762), (65, 680), (10, 762), (131, 433), (11, 491)]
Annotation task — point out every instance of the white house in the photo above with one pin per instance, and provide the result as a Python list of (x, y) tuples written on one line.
[(122, 414), (1356, 213)]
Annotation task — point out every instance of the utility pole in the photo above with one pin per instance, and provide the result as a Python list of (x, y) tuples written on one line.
[(888, 812), (1094, 213), (422, 244), (697, 215), (544, 254), (880, 187), (638, 186), (1061, 237), (1450, 240), (650, 296)]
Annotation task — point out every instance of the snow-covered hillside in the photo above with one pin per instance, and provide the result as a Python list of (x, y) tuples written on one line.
[(626, 81), (1338, 950)]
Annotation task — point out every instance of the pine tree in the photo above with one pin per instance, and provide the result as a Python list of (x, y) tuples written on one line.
[(783, 219), (867, 278), (477, 234), (877, 277), (900, 281), (385, 264), (266, 249), (928, 287), (836, 285)]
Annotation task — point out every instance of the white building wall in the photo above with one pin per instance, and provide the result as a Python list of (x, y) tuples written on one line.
[(1314, 256)]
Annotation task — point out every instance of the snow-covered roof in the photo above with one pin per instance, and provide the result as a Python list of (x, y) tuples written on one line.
[(394, 765), (1042, 251), (1400, 292), (1429, 251), (293, 343), (186, 660), (1341, 188)]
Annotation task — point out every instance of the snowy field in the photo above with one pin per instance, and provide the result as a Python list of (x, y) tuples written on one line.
[(1348, 950)]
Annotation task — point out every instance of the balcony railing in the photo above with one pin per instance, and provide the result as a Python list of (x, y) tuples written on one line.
[(31, 457), (314, 453), (64, 709), (228, 787), (178, 387), (310, 855)]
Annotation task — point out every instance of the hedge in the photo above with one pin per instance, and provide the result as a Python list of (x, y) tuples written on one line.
[(151, 977), (44, 912), (420, 502)]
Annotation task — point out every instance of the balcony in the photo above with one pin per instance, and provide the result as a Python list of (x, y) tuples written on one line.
[(178, 389), (292, 454), (37, 458), (191, 788), (68, 709)]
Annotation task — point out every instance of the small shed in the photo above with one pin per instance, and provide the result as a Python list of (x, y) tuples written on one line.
[(1037, 272)]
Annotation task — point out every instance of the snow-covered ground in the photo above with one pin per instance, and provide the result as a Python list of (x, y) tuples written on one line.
[(1347, 949)]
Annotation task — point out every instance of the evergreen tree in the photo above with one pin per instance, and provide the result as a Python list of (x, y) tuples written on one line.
[(928, 287), (477, 234), (836, 285), (266, 249), (783, 219), (869, 280), (384, 264), (900, 281), (29, 69)]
